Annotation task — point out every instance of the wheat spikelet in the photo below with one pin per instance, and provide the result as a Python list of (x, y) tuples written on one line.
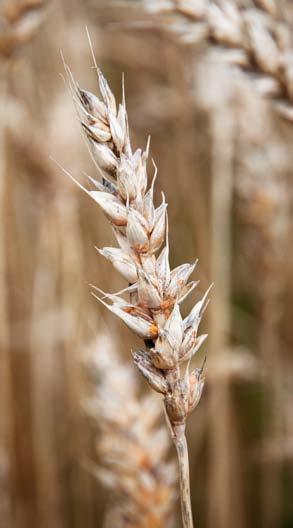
[(251, 36), (156, 292), (131, 445), (19, 21)]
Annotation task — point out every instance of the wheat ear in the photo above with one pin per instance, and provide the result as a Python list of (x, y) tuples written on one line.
[(19, 21), (132, 446), (254, 38), (156, 292)]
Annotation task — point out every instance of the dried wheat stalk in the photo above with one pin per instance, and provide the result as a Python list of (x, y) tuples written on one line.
[(263, 189), (132, 446), (156, 292), (250, 35), (19, 20)]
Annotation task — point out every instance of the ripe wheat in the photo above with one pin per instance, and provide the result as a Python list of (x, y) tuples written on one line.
[(19, 21), (156, 292), (132, 446), (250, 35)]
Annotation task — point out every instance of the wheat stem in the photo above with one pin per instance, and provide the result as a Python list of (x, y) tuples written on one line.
[(180, 443)]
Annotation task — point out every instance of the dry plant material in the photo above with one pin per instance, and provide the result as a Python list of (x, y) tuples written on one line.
[(132, 446), (156, 291), (252, 36), (263, 191), (224, 496), (19, 21)]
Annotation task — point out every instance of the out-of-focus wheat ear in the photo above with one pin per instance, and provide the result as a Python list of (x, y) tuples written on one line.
[(255, 39), (19, 22), (132, 445)]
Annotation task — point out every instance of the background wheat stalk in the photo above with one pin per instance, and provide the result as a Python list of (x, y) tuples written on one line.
[(19, 22), (263, 193), (132, 445), (156, 292)]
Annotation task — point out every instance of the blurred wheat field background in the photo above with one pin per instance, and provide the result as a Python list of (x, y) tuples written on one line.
[(224, 159)]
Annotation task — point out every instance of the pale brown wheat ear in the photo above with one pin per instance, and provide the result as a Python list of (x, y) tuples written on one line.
[(132, 445), (19, 21), (156, 292), (253, 36)]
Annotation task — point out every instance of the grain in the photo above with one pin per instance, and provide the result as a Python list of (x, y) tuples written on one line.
[(156, 291), (19, 21), (253, 37)]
